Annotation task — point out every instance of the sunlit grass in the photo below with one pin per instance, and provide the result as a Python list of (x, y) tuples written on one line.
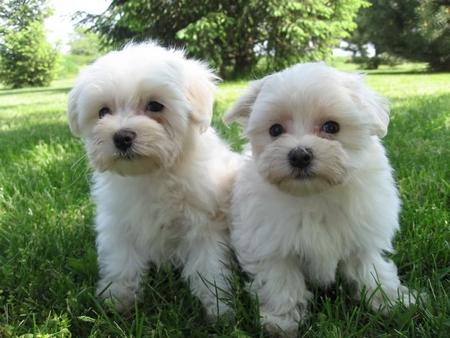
[(47, 253)]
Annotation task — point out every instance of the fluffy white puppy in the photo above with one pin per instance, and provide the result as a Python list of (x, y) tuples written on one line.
[(318, 195), (163, 178)]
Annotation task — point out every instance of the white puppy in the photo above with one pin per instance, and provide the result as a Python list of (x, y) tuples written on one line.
[(318, 194), (163, 178)]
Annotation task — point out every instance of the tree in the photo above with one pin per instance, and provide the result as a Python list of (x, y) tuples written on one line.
[(26, 58), (233, 35), (84, 42), (434, 29), (411, 29), (18, 14)]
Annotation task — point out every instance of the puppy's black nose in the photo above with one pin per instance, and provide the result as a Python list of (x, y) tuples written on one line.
[(300, 157), (123, 139)]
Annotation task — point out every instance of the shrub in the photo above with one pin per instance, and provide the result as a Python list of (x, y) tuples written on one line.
[(26, 58)]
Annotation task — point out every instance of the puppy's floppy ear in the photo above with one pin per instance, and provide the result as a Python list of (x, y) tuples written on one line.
[(73, 111), (379, 109), (240, 112), (373, 104), (201, 89)]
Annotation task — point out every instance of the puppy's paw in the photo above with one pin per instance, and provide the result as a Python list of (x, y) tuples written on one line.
[(122, 296), (284, 325), (386, 300), (218, 310)]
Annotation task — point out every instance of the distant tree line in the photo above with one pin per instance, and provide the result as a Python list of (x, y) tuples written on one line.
[(240, 38)]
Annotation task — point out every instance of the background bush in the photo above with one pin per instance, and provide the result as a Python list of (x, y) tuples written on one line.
[(27, 59)]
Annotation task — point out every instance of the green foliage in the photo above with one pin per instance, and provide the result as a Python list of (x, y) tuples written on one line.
[(71, 65), (434, 28), (236, 36), (26, 58), (233, 35), (18, 14), (85, 48), (85, 42), (411, 29)]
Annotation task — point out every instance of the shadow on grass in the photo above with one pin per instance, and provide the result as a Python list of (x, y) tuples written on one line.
[(47, 221), (21, 105), (417, 145), (18, 141), (9, 91), (420, 120), (394, 72)]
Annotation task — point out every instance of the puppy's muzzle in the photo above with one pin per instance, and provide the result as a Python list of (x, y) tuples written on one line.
[(300, 158), (123, 139)]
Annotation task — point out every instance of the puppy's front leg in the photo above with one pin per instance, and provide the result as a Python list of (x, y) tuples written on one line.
[(370, 271), (123, 260), (282, 293), (206, 269)]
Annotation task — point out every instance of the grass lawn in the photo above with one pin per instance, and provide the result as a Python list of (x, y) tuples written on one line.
[(47, 254)]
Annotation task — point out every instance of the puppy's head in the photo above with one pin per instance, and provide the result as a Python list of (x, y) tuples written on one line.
[(310, 126), (139, 109)]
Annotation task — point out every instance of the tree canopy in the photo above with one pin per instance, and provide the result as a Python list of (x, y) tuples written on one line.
[(26, 58), (411, 29), (16, 15), (234, 36)]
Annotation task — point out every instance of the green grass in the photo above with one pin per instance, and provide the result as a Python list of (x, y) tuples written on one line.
[(47, 254)]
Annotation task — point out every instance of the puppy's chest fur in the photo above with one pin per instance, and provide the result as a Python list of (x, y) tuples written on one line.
[(318, 231), (324, 237), (160, 212)]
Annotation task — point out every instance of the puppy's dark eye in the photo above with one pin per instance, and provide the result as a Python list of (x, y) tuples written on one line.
[(330, 127), (276, 130), (155, 106), (104, 111)]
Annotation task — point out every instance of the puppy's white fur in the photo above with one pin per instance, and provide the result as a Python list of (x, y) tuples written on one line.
[(290, 226), (166, 197)]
